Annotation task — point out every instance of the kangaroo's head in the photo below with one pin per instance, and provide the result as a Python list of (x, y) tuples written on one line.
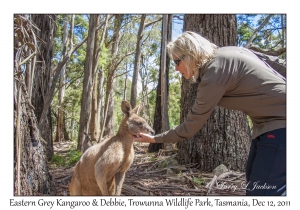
[(135, 123)]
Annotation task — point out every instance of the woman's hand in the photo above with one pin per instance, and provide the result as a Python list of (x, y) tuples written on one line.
[(146, 138)]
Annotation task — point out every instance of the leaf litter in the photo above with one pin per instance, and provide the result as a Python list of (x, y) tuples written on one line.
[(157, 174)]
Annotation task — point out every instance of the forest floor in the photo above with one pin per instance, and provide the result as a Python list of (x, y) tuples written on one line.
[(158, 174)]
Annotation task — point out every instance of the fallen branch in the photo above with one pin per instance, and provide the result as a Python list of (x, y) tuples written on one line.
[(211, 184), (134, 191), (157, 171), (177, 187), (65, 178), (192, 182)]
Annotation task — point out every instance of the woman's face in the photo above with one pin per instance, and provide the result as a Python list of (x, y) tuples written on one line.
[(182, 69)]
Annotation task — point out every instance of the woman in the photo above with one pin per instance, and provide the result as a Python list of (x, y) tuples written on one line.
[(234, 78)]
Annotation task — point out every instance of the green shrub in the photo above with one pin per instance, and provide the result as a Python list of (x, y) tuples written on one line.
[(57, 159), (70, 159), (74, 156), (199, 180)]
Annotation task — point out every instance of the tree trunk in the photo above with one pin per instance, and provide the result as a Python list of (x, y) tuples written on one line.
[(143, 72), (137, 62), (60, 130), (31, 176), (66, 54), (282, 30), (108, 125), (42, 75), (96, 54), (164, 81), (158, 115), (72, 128), (94, 128), (100, 104), (94, 111), (28, 72), (225, 138), (86, 98), (125, 83)]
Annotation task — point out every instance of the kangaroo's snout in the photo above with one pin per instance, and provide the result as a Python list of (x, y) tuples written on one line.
[(148, 129), (152, 132)]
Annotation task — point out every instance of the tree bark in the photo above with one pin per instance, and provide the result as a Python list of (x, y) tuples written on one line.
[(31, 175), (100, 112), (158, 115), (283, 30), (137, 62), (42, 76), (107, 128), (60, 129), (66, 54), (125, 83), (225, 138), (86, 98), (94, 111), (164, 81), (94, 127)]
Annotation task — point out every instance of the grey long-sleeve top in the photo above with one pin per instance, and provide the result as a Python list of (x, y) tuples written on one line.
[(235, 79)]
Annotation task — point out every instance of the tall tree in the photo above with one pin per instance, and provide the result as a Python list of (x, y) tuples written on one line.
[(31, 176), (164, 79), (61, 129), (42, 75), (160, 115), (108, 125), (94, 127), (137, 62), (86, 99), (67, 51), (142, 36), (225, 138), (100, 104)]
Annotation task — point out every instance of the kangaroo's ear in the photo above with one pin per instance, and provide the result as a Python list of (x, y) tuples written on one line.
[(126, 108), (136, 110)]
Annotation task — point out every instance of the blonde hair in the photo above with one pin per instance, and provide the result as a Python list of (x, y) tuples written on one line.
[(194, 49)]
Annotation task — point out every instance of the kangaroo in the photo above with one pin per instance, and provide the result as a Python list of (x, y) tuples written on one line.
[(87, 141), (101, 169)]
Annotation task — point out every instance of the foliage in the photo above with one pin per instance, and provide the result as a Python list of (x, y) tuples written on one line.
[(152, 159), (199, 180), (74, 75), (71, 158), (270, 36), (250, 123), (57, 159), (174, 99)]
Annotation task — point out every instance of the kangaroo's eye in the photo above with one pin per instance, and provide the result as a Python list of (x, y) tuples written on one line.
[(139, 123)]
